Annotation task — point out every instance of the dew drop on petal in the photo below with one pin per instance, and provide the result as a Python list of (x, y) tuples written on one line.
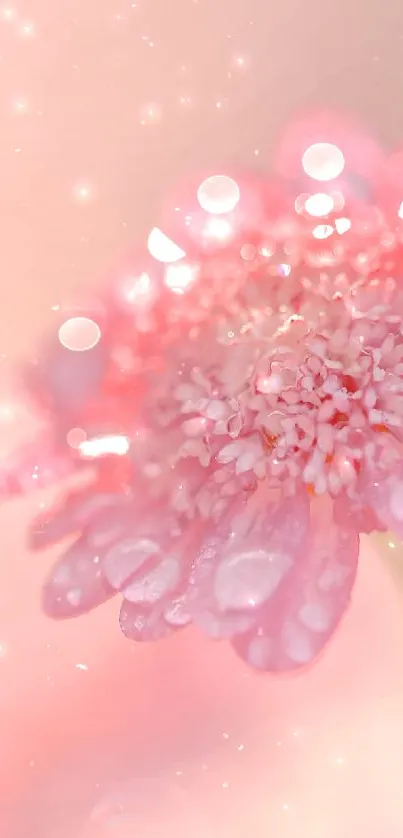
[(155, 584), (125, 558), (142, 624), (76, 584), (244, 580)]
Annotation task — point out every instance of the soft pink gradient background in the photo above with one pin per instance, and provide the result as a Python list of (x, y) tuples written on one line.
[(228, 753)]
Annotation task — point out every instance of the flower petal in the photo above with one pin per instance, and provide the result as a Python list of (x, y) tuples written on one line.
[(296, 624), (76, 584)]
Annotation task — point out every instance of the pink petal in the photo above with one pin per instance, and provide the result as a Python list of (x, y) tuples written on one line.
[(76, 584), (299, 620), (241, 567), (385, 496), (143, 625)]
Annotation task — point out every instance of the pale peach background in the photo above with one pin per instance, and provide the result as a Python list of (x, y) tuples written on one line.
[(227, 753)]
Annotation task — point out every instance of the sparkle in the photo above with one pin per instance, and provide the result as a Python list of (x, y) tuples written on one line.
[(150, 114), (82, 193)]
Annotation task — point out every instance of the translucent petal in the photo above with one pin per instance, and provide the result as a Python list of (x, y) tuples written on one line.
[(155, 584), (295, 624), (72, 378), (242, 565), (76, 584), (143, 624)]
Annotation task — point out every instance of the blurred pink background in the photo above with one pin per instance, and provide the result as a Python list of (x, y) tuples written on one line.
[(105, 105)]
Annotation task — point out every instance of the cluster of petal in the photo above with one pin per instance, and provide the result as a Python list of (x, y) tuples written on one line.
[(263, 412)]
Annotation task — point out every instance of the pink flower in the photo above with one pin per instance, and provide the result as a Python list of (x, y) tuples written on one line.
[(262, 406)]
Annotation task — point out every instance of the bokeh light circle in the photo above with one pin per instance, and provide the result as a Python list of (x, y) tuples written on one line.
[(162, 248), (179, 278), (79, 334), (323, 162), (319, 205), (218, 194)]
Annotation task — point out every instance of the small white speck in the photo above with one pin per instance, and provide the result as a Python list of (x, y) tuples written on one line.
[(225, 736), (20, 106), (241, 748), (82, 666), (27, 30), (225, 785)]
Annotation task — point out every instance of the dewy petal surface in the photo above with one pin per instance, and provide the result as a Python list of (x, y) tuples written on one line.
[(76, 584), (297, 623), (143, 624), (242, 567)]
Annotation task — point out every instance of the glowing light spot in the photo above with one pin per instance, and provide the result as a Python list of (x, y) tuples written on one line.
[(103, 446), (76, 437), (218, 194), (400, 210), (151, 113), (8, 13), (323, 231), (179, 278), (20, 106), (139, 290), (319, 205), (323, 161), (79, 334), (219, 229), (343, 225), (82, 192), (27, 30), (162, 248)]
